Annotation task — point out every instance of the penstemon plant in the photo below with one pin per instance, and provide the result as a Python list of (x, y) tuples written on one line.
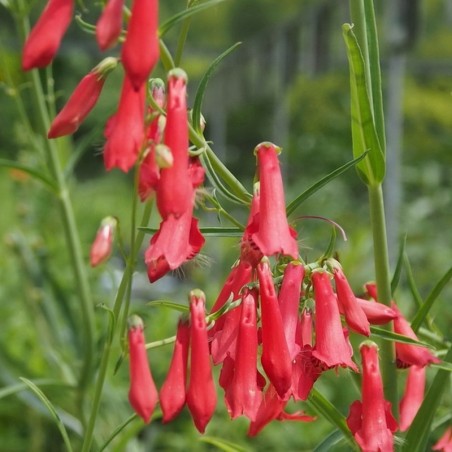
[(280, 322)]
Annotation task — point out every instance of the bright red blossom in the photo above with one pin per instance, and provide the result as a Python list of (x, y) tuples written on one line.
[(44, 39), (102, 245), (413, 396), (109, 25), (444, 444), (142, 393)]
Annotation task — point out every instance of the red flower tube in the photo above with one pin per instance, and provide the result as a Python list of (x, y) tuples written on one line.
[(82, 100), (274, 235), (201, 394), (172, 392), (140, 52), (410, 355), (275, 358), (109, 25), (376, 313), (44, 39), (331, 346), (354, 315), (444, 444), (371, 421), (142, 393), (243, 396), (125, 130), (413, 396), (102, 245)]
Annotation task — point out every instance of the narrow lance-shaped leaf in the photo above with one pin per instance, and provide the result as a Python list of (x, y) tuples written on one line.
[(398, 270), (394, 337), (364, 135)]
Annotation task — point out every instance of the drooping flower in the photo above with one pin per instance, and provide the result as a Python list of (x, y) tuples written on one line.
[(275, 358), (177, 241), (82, 100), (44, 39), (140, 52), (370, 420), (201, 394), (143, 394), (376, 313), (289, 299), (444, 444), (354, 315), (175, 193), (125, 130), (173, 391), (274, 236), (109, 25), (413, 396), (331, 346), (242, 395), (102, 245), (407, 354)]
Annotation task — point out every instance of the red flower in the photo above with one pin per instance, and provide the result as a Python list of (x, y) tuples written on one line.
[(201, 394), (371, 421), (82, 100), (413, 397), (289, 299), (249, 252), (272, 407), (172, 393), (143, 393), (304, 329), (376, 313), (175, 193), (44, 39), (125, 130), (140, 52), (102, 245), (354, 315), (410, 355), (177, 241), (274, 235), (242, 394), (275, 353), (109, 25), (331, 346), (445, 442)]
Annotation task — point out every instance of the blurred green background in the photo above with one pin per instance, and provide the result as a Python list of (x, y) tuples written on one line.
[(286, 83)]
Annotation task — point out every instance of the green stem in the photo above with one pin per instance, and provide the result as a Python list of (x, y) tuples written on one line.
[(383, 279)]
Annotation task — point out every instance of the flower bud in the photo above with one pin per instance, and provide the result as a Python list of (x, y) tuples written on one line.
[(102, 245)]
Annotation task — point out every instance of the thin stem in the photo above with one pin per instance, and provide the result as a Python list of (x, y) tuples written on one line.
[(382, 274)]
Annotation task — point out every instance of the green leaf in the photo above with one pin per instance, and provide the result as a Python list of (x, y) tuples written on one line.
[(427, 305), (30, 171), (322, 182), (443, 365), (394, 337), (169, 305), (117, 431), (52, 411), (167, 25), (372, 169), (417, 436), (329, 442), (14, 389), (411, 281), (196, 120), (399, 266), (165, 57), (222, 444), (326, 409)]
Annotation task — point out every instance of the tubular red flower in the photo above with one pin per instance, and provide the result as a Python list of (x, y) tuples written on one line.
[(44, 39), (371, 421), (125, 130), (78, 106), (109, 25), (172, 392), (413, 396), (177, 241), (242, 395), (289, 299), (201, 394), (354, 315), (410, 355), (331, 346), (175, 193), (275, 353), (376, 313), (304, 329), (102, 245), (142, 393), (249, 252), (140, 52), (274, 235), (445, 442)]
